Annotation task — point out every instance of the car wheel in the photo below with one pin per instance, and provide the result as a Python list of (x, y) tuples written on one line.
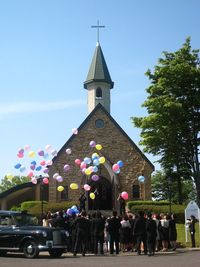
[(55, 253), (30, 249)]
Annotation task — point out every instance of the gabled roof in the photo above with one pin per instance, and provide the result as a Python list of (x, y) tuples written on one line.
[(99, 106), (98, 71)]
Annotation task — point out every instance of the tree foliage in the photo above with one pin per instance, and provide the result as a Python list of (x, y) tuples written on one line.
[(9, 183), (171, 129)]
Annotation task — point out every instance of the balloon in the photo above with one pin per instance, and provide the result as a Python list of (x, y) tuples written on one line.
[(87, 187), (49, 162), (9, 176), (87, 171), (87, 160), (34, 180), (22, 169), (78, 161), (33, 162), (141, 179), (120, 163), (38, 168), (96, 162), (102, 160), (27, 147), (95, 177), (45, 180), (83, 170), (92, 143), (95, 169), (46, 155), (46, 170), (95, 156), (31, 154), (124, 195), (68, 151), (21, 151), (75, 131), (70, 212), (115, 167), (17, 166), (30, 174), (83, 165), (59, 178), (55, 175), (74, 186), (32, 167), (92, 195), (48, 147), (60, 188), (41, 153), (66, 167), (20, 155), (42, 162), (54, 152), (117, 172), (98, 147), (74, 207)]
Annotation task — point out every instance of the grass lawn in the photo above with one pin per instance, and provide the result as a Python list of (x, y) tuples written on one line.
[(181, 235)]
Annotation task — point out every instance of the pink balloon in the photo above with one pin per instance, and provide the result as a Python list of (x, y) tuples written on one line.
[(115, 167), (27, 147), (124, 195), (45, 180), (42, 162), (21, 151), (78, 161), (20, 155), (30, 174), (34, 180), (83, 165), (87, 187)]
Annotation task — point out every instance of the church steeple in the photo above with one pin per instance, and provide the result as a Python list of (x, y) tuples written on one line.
[(98, 81)]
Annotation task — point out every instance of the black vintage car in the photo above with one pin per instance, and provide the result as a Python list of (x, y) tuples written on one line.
[(20, 232)]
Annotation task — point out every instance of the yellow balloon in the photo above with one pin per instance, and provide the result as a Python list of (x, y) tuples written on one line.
[(31, 154), (98, 147), (73, 186), (92, 195), (102, 160), (9, 176), (60, 188), (88, 171)]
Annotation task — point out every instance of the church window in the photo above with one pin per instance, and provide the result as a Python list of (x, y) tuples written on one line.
[(98, 93), (99, 123), (136, 192), (64, 193)]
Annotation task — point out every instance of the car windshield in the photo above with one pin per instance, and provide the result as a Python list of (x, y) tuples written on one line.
[(25, 219)]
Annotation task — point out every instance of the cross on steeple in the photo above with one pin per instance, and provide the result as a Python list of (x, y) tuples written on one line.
[(98, 27)]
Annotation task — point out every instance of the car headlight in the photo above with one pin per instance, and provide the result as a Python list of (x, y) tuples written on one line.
[(44, 234)]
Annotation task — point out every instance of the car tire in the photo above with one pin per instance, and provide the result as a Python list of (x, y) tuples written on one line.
[(30, 249), (56, 253)]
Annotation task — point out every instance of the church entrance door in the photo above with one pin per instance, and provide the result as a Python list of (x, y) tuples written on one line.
[(103, 195)]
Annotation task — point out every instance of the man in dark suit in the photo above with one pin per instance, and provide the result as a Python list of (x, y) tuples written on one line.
[(82, 226), (151, 229), (139, 231), (113, 227), (192, 230), (99, 226)]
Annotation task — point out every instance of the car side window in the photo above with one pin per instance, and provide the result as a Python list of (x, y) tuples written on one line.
[(5, 221)]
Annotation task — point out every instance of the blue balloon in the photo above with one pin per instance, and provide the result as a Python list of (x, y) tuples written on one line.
[(34, 163), (120, 163), (38, 168), (141, 179), (17, 166)]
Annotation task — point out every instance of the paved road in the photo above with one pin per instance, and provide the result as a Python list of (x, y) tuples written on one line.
[(178, 259)]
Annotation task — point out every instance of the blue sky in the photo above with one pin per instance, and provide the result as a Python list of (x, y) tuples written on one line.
[(46, 48)]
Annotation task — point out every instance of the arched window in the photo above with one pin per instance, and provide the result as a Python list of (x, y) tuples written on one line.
[(98, 93), (136, 192)]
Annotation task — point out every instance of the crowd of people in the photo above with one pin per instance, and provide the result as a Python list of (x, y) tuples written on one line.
[(94, 233)]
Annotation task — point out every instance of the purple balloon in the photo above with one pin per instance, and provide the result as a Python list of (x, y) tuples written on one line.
[(41, 153), (66, 167), (95, 177), (32, 167)]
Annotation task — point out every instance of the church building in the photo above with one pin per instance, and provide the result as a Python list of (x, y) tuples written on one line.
[(100, 126)]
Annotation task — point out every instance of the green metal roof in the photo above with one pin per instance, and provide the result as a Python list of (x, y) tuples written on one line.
[(98, 71)]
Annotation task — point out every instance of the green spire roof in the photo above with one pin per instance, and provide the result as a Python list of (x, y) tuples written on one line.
[(98, 71)]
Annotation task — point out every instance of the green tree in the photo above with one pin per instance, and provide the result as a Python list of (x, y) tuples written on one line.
[(9, 183), (164, 188), (171, 129)]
